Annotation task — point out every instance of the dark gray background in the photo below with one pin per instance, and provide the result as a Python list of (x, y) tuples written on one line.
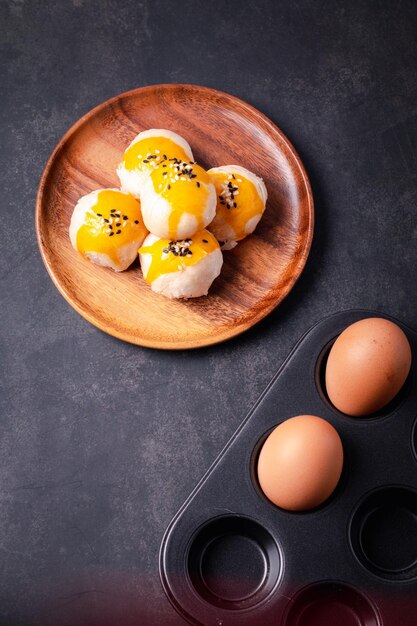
[(100, 441)]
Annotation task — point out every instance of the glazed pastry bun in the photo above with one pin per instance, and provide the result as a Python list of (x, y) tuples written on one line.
[(178, 199), (107, 228), (181, 269), (241, 199), (145, 152)]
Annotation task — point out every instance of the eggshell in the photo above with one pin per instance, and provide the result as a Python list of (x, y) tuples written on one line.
[(300, 463), (367, 366)]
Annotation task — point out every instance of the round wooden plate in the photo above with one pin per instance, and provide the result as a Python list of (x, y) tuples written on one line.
[(221, 129)]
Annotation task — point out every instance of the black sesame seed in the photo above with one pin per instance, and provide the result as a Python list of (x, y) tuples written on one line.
[(136, 221), (164, 157), (111, 234), (107, 221), (197, 183), (125, 217), (112, 210), (233, 176), (145, 161), (99, 214), (205, 241), (169, 187), (118, 224), (118, 232), (234, 204)]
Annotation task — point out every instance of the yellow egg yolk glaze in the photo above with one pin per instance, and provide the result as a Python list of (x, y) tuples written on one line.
[(114, 221), (185, 186), (237, 201), (148, 153), (173, 256)]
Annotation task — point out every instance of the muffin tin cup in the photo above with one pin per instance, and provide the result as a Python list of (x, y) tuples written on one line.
[(233, 562), (383, 533), (231, 557), (329, 603)]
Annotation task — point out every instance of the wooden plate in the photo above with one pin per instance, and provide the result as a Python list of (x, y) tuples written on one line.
[(221, 129)]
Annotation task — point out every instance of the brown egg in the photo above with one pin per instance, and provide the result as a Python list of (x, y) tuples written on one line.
[(367, 366), (300, 463)]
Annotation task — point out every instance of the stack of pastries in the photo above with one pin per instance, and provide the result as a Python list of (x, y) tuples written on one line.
[(169, 210)]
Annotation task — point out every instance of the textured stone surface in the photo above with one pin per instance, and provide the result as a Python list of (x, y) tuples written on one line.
[(100, 441)]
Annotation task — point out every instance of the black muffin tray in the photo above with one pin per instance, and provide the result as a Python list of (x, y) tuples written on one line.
[(232, 558)]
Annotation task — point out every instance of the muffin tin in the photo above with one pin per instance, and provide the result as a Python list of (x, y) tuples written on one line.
[(230, 557)]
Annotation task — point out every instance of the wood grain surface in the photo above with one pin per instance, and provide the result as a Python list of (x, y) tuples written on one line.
[(221, 129)]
